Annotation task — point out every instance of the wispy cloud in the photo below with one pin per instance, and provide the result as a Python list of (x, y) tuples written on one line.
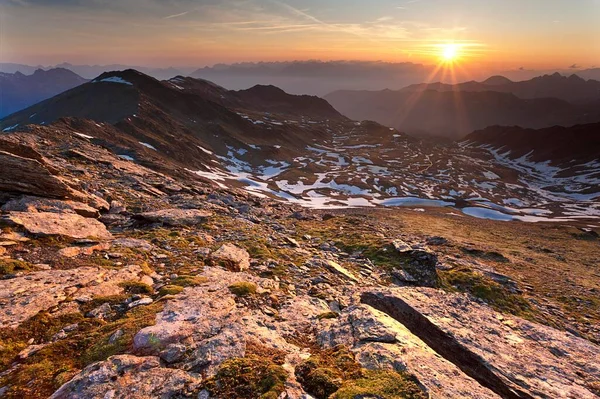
[(181, 14)]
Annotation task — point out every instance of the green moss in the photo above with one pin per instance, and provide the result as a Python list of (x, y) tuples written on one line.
[(188, 281), (248, 378), (98, 345), (170, 290), (136, 287), (328, 315), (146, 269), (496, 295), (325, 372), (44, 372), (10, 266), (381, 384), (243, 288)]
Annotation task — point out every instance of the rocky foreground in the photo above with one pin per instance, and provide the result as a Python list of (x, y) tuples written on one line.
[(122, 282)]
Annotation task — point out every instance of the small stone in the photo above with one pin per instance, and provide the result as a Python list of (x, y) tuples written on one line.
[(203, 394), (173, 353), (140, 302), (71, 327), (136, 243), (115, 336), (147, 280), (59, 335), (117, 207), (30, 350), (436, 240), (291, 241), (101, 312), (401, 246)]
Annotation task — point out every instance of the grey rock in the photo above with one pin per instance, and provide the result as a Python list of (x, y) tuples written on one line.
[(127, 376), (116, 336), (173, 353), (176, 217), (103, 311), (231, 257)]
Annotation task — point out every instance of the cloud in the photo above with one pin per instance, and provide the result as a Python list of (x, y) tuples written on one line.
[(181, 14), (574, 66)]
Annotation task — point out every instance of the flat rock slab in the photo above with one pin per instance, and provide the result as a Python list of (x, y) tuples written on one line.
[(133, 243), (514, 357), (37, 204), (25, 296), (176, 217), (127, 376), (58, 224), (339, 269)]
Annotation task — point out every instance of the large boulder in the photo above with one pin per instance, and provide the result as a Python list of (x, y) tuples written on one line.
[(176, 217), (514, 358), (26, 175), (57, 224)]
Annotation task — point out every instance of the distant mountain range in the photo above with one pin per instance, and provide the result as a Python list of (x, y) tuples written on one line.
[(18, 90), (456, 110), (307, 77), (91, 71), (572, 88)]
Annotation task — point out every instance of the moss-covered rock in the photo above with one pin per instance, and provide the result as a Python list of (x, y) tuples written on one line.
[(248, 378), (10, 266), (324, 373), (381, 384), (243, 288), (136, 287), (328, 315), (188, 281), (170, 290)]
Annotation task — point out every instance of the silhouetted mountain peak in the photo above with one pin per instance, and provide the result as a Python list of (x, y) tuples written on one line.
[(497, 81), (265, 90), (576, 78)]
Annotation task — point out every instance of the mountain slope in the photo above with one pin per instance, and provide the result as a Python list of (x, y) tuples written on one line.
[(455, 114), (18, 91), (259, 98), (557, 144), (186, 121)]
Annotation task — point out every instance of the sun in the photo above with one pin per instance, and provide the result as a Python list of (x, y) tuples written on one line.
[(449, 52)]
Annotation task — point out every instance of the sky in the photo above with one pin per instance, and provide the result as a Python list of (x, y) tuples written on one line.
[(541, 34)]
